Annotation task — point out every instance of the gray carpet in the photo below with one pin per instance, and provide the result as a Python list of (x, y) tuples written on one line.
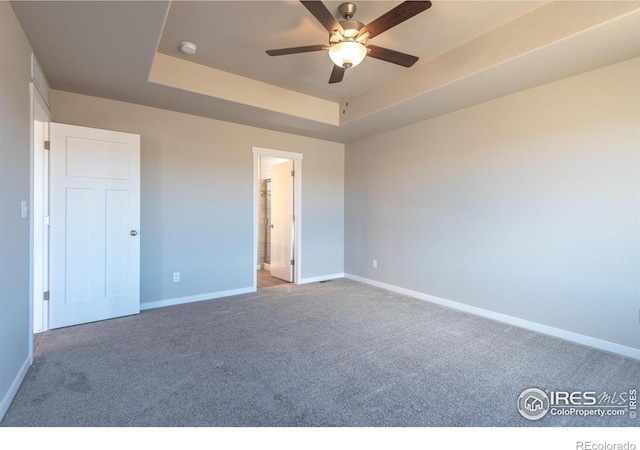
[(327, 354)]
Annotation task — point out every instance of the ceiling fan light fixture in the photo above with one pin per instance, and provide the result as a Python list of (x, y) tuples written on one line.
[(347, 53), (348, 39)]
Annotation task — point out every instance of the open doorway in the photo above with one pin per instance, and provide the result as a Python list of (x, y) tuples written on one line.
[(272, 222), (277, 231)]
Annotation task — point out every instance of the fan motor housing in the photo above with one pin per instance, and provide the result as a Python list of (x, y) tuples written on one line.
[(351, 29)]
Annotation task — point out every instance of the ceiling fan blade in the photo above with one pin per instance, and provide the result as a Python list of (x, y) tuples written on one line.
[(336, 74), (322, 14), (395, 16), (391, 56), (292, 50)]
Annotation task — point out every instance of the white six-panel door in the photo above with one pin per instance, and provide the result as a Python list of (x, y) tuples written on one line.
[(94, 225), (281, 219)]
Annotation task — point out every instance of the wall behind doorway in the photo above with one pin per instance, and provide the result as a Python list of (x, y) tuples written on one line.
[(264, 224)]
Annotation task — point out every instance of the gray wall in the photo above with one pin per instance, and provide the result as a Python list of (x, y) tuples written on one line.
[(15, 74), (197, 195), (526, 205)]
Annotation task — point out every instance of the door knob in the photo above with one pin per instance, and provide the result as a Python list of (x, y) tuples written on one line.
[(133, 233)]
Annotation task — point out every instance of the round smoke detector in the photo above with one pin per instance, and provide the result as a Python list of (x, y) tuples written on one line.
[(188, 47)]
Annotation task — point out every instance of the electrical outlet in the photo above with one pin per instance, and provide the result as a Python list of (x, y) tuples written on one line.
[(375, 263), (176, 277)]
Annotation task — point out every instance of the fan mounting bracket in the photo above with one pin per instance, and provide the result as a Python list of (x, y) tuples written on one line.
[(347, 10)]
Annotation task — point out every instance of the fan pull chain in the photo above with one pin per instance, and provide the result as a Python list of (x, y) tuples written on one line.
[(346, 90)]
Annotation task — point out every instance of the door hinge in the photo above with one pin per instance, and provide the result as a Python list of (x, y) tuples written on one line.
[(45, 296), (293, 262), (47, 220), (293, 173), (47, 145)]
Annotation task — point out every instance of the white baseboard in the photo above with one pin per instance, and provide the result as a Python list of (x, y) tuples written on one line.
[(195, 298), (267, 267), (320, 278), (588, 341), (13, 390)]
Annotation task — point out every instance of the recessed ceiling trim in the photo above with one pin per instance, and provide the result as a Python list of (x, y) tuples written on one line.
[(180, 74), (106, 49), (541, 29)]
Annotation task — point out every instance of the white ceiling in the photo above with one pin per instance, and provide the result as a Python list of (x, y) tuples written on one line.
[(470, 51)]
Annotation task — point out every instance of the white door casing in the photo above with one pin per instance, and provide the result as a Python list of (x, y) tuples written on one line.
[(282, 220), (297, 158), (39, 209), (94, 225)]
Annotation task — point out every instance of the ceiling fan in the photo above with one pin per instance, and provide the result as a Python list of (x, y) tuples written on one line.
[(348, 39)]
